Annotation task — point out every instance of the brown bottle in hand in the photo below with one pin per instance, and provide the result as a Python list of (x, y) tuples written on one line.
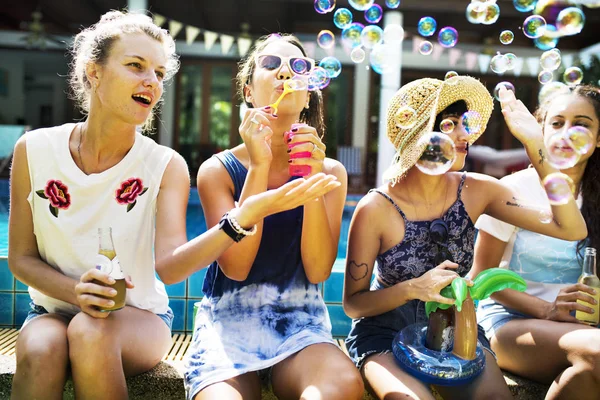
[(107, 261)]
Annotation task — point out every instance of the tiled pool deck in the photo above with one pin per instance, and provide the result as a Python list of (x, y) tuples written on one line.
[(14, 298)]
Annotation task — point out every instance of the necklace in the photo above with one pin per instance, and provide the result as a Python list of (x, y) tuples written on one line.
[(443, 205)]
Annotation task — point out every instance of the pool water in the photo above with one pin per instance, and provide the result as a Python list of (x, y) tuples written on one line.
[(195, 222)]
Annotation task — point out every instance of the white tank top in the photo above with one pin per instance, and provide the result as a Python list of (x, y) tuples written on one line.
[(69, 206)]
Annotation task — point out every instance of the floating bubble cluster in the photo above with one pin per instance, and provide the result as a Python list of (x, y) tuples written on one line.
[(510, 60), (427, 26), (548, 40), (370, 36), (332, 65), (561, 153), (405, 117), (373, 14), (324, 6), (558, 188), (491, 13), (580, 138), (507, 85), (351, 34), (318, 79), (448, 37), (361, 5), (380, 58), (425, 47), (447, 126), (475, 12), (342, 17), (534, 26), (326, 39), (499, 64), (570, 21), (507, 37), (439, 153), (573, 76)]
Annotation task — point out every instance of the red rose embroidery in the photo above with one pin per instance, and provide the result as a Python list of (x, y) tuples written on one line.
[(58, 194), (129, 192)]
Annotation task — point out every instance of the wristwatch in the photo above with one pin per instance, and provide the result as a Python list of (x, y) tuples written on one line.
[(232, 228)]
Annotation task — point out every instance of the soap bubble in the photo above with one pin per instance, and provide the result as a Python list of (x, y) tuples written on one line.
[(370, 36), (510, 60), (357, 55), (545, 216), (361, 5), (450, 74), (425, 48), (549, 90), (534, 26), (381, 58), (324, 6), (545, 77), (580, 138), (507, 37), (332, 65), (548, 40), (524, 5), (342, 18), (570, 21), (499, 64), (426, 26), (373, 14), (561, 153), (392, 3), (447, 126), (573, 76), (507, 85), (318, 79), (559, 188), (471, 122), (326, 39), (439, 153), (491, 13), (405, 117), (475, 12), (351, 34), (297, 83), (448, 37), (393, 33), (550, 60)]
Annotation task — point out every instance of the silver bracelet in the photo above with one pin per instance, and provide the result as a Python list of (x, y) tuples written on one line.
[(236, 226)]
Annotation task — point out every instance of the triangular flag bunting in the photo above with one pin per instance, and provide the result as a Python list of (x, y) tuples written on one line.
[(175, 27), (484, 62), (437, 51), (533, 63), (244, 45), (191, 32), (518, 66), (567, 60), (158, 19), (471, 60), (209, 39), (454, 56), (226, 43)]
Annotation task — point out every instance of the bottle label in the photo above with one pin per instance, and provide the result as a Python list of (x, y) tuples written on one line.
[(116, 272), (592, 319), (112, 268)]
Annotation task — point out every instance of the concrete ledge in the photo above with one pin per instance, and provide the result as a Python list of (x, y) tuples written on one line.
[(165, 382)]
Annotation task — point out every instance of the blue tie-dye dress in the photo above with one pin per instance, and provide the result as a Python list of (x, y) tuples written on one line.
[(254, 324)]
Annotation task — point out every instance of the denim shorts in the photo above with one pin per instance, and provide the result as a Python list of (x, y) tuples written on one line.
[(492, 316), (36, 311), (374, 335)]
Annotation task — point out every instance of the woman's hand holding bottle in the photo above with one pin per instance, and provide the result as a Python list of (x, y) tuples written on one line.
[(307, 151)]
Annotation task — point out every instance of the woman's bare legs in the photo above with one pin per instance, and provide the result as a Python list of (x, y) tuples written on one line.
[(42, 358), (243, 387), (318, 372), (104, 351), (562, 354)]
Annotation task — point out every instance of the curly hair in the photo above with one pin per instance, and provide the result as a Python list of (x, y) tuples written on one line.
[(590, 184), (93, 44), (315, 114)]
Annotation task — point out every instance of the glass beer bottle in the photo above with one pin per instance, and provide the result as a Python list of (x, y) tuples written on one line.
[(588, 277), (107, 261)]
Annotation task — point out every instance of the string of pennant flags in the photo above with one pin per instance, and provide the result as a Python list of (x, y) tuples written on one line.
[(472, 60)]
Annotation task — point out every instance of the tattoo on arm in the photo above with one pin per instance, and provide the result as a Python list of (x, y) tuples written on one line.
[(357, 271), (542, 157), (515, 204)]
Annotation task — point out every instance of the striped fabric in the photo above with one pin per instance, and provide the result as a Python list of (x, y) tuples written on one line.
[(351, 158)]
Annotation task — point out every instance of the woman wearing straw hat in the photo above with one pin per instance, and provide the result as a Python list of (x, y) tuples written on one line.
[(393, 225)]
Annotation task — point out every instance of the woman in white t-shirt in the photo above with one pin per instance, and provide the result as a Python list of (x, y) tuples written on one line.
[(68, 181), (535, 334)]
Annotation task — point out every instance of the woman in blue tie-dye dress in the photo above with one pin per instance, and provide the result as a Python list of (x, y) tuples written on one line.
[(263, 314)]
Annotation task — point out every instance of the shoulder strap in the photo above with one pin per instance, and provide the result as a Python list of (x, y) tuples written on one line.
[(390, 200), (236, 170)]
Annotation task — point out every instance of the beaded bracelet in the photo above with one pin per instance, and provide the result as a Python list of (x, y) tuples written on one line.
[(236, 226)]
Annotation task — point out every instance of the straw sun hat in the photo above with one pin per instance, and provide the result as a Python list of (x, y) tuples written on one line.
[(416, 106)]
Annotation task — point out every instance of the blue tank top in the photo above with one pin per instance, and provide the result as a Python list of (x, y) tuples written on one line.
[(415, 254)]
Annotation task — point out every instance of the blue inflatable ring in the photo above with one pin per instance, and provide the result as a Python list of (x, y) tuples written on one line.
[(430, 366)]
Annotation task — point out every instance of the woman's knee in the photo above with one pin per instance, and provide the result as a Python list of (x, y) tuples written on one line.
[(45, 349), (345, 383), (88, 333)]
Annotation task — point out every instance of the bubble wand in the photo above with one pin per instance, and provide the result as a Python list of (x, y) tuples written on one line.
[(288, 87)]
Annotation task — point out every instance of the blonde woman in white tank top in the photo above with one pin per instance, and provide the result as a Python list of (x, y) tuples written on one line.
[(69, 180)]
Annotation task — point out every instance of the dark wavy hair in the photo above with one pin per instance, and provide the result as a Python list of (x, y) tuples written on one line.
[(313, 115), (590, 184)]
